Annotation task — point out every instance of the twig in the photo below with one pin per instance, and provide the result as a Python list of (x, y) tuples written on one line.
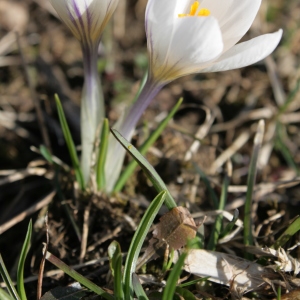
[(27, 212), (42, 265), (85, 231)]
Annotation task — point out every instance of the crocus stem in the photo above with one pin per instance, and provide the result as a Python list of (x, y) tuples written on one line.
[(149, 91), (116, 152), (92, 108)]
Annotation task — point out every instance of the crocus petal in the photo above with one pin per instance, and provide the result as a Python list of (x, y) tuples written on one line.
[(85, 18), (247, 53), (183, 47), (234, 16)]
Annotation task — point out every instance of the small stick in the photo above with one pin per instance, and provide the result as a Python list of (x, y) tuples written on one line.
[(42, 265)]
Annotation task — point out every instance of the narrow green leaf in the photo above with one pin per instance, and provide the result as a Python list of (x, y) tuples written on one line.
[(194, 281), (71, 292), (290, 99), (230, 225), (47, 155), (78, 277), (6, 278), (70, 143), (186, 294), (138, 289), (100, 166), (5, 296), (115, 259), (20, 271), (144, 148), (137, 242), (147, 168), (248, 237), (279, 293), (173, 278), (280, 145), (205, 179), (288, 233), (214, 237)]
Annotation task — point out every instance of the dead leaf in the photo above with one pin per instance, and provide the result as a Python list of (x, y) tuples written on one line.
[(174, 229)]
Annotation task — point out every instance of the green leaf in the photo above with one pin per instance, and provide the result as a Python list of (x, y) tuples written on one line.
[(72, 292), (147, 168), (5, 296), (214, 237), (248, 238), (46, 154), (173, 278), (138, 289), (115, 258), (288, 233), (70, 143), (78, 277), (186, 294), (9, 283), (205, 179), (137, 242), (100, 166), (144, 148), (194, 281), (20, 271), (230, 225)]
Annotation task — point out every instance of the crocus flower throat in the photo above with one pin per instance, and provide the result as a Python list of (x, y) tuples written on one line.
[(203, 12)]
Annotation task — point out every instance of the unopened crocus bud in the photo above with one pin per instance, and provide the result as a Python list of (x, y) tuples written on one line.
[(87, 19)]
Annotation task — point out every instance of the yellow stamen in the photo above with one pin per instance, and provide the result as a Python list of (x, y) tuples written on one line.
[(203, 12), (194, 8)]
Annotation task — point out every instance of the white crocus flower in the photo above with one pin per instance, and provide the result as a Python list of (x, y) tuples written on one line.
[(186, 37), (87, 19)]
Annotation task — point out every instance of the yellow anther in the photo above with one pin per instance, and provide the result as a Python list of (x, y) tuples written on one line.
[(194, 8), (203, 12)]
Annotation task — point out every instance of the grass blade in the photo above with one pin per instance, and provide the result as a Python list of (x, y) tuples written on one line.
[(70, 143), (100, 166), (137, 242), (5, 296), (20, 272), (193, 281), (46, 154), (78, 277), (9, 283), (147, 168), (288, 233), (280, 144), (248, 237), (173, 278), (115, 258), (144, 148), (138, 289), (205, 179), (214, 237), (230, 225)]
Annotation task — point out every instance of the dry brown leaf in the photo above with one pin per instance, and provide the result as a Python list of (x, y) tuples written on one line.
[(174, 229)]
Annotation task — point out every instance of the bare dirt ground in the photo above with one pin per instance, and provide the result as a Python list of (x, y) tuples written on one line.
[(44, 58)]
